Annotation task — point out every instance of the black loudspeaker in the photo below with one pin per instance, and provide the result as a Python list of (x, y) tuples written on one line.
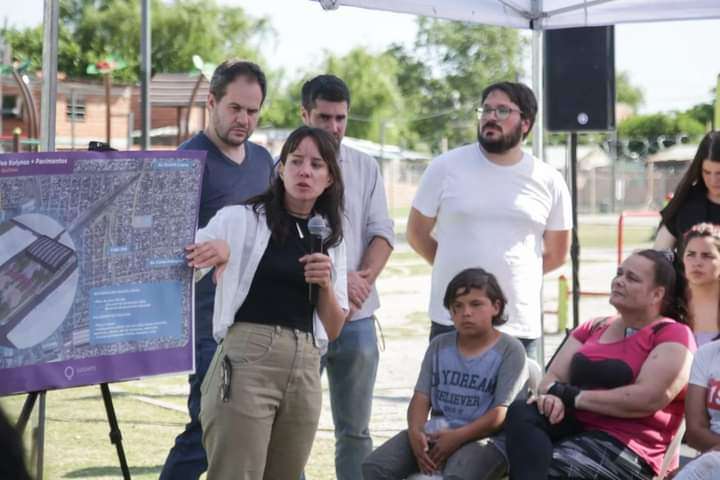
[(580, 79)]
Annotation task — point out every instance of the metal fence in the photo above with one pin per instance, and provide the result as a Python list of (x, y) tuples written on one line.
[(600, 190)]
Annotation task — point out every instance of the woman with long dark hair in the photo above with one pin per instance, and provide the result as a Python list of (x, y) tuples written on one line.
[(612, 399), (261, 397), (696, 198), (701, 263)]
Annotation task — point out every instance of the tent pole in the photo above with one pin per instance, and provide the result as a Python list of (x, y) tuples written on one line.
[(538, 144), (145, 70), (48, 104)]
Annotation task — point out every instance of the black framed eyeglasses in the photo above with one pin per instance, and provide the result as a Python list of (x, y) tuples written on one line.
[(501, 113)]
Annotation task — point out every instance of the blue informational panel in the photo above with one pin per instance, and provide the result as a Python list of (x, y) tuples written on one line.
[(93, 283)]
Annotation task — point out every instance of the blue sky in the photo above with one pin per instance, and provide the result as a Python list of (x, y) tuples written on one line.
[(675, 63)]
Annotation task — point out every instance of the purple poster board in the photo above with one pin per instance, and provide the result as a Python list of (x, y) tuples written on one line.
[(93, 283)]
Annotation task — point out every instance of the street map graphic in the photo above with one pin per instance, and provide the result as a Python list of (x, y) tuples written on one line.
[(93, 283)]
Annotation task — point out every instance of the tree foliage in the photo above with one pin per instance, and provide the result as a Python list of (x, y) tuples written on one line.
[(90, 30), (376, 99), (282, 105), (626, 92), (442, 77), (703, 113), (656, 125)]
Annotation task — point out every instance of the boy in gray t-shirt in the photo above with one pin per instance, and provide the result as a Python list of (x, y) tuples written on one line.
[(468, 378)]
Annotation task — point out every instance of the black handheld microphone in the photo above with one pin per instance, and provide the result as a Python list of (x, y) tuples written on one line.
[(318, 233)]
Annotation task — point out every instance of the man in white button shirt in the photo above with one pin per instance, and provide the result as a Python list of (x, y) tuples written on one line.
[(352, 359)]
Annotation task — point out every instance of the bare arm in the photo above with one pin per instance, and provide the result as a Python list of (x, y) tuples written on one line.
[(699, 436), (374, 259), (483, 426), (664, 239), (556, 244), (419, 228), (360, 283), (559, 370), (417, 415), (663, 375), (447, 442), (208, 254)]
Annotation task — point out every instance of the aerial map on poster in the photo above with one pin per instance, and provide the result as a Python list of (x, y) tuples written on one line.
[(93, 283)]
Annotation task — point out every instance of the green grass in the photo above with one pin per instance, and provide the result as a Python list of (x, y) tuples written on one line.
[(416, 324), (605, 236), (407, 270), (76, 433), (77, 443), (400, 212)]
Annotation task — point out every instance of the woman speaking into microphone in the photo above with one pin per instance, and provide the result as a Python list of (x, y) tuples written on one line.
[(261, 397)]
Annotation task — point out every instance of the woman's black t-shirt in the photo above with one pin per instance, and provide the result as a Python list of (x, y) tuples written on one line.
[(278, 293), (696, 209)]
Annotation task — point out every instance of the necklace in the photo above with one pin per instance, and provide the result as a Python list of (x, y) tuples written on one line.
[(299, 214)]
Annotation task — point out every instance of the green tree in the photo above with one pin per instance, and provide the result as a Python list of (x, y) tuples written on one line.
[(652, 126), (376, 99), (626, 92), (93, 29), (443, 76), (377, 104), (703, 113), (282, 106)]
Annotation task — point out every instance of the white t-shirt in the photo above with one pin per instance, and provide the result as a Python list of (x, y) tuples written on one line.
[(493, 217), (705, 373)]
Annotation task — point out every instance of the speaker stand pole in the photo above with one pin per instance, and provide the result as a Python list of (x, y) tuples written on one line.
[(575, 248)]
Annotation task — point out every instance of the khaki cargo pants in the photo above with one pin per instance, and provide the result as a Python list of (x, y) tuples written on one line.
[(264, 425)]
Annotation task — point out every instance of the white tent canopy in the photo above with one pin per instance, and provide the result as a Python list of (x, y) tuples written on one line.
[(545, 14)]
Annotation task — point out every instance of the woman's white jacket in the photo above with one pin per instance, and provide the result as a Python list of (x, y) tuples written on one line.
[(248, 235)]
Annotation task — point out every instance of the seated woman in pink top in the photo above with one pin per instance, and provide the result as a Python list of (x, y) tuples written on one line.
[(612, 400)]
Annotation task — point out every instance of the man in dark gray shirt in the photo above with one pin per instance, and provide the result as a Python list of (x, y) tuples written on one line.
[(235, 169)]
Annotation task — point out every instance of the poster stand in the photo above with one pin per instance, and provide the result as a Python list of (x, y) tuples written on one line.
[(115, 434), (160, 286)]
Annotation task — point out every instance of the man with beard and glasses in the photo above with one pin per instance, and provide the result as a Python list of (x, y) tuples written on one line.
[(495, 207), (235, 169)]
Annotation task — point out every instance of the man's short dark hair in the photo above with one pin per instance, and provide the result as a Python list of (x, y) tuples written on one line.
[(229, 70), (521, 95), (325, 87)]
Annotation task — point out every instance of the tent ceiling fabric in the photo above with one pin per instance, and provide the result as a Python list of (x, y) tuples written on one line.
[(554, 13)]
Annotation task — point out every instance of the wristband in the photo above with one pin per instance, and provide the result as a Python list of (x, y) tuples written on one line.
[(565, 392)]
